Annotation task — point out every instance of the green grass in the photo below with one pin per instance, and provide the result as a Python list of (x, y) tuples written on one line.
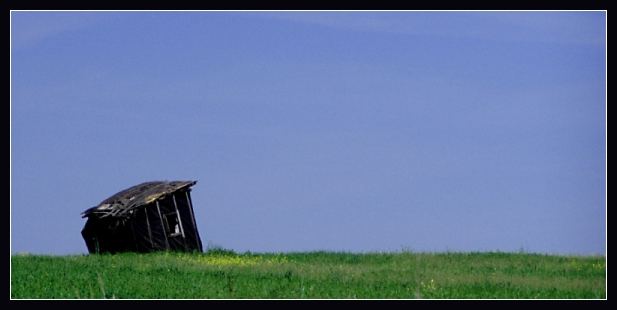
[(221, 273)]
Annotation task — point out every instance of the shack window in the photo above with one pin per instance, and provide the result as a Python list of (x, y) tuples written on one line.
[(172, 224)]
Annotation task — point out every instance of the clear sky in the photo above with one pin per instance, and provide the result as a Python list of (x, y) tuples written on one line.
[(338, 131)]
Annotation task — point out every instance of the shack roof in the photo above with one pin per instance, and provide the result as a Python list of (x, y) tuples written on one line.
[(120, 204)]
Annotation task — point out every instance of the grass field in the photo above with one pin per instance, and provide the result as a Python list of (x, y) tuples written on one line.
[(220, 273)]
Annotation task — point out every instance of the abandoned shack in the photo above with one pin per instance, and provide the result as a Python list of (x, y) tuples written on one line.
[(152, 216)]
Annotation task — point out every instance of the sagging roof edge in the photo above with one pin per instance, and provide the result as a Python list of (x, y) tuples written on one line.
[(135, 196)]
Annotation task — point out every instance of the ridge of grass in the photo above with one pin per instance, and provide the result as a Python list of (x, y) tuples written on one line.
[(224, 274)]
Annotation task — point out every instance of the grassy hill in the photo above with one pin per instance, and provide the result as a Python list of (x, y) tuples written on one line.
[(221, 273)]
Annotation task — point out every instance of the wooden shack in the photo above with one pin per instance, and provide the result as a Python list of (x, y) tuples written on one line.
[(152, 216)]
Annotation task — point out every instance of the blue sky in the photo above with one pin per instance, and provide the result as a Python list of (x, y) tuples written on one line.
[(339, 131)]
